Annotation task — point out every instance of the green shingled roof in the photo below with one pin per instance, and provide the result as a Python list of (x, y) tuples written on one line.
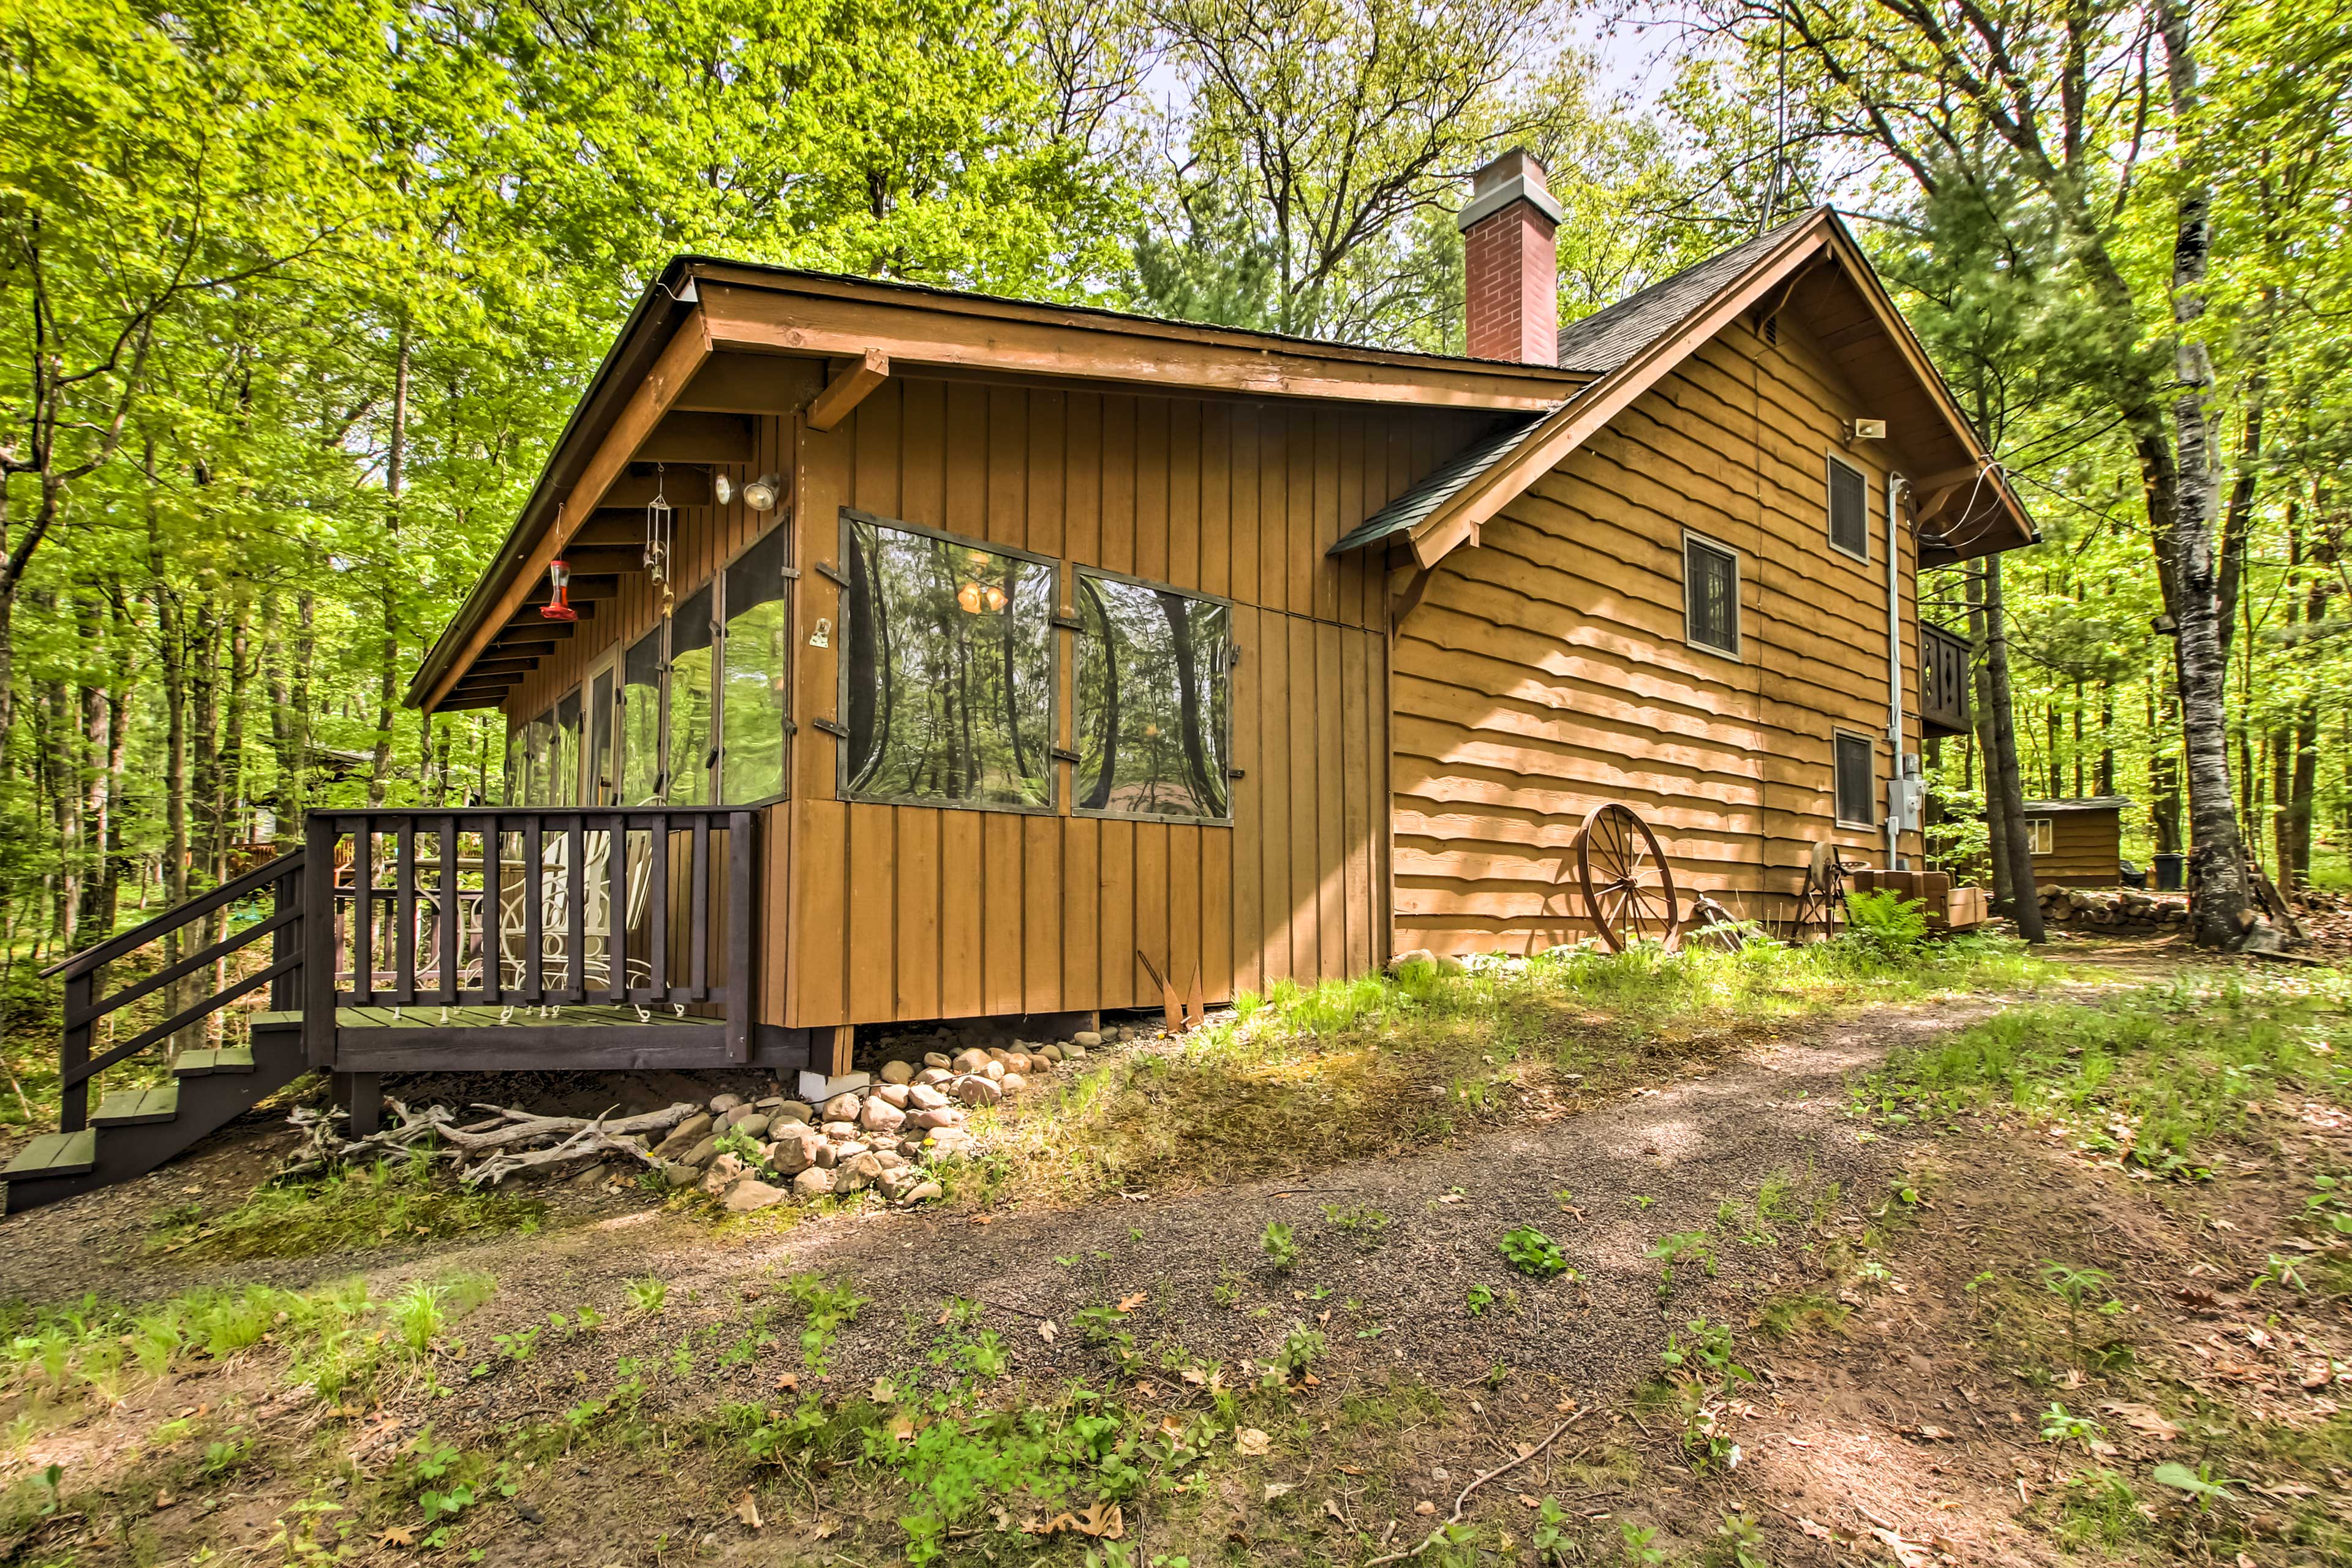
[(1440, 486)]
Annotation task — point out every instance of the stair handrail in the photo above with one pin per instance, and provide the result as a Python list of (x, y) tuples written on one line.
[(170, 920)]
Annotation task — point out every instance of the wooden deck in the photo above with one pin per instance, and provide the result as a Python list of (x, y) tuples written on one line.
[(431, 1039)]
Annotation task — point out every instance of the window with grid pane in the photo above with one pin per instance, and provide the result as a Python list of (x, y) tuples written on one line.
[(1710, 595), (1855, 770), (1849, 509)]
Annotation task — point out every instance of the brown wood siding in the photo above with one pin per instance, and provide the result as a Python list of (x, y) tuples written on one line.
[(1546, 670), (918, 911), (872, 913), (2086, 849)]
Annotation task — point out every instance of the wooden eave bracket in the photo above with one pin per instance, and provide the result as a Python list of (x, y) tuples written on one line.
[(847, 389)]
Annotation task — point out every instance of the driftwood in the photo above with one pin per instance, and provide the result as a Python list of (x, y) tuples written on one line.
[(483, 1152), (521, 1127)]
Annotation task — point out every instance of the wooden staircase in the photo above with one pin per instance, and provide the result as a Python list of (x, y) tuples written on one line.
[(135, 1130), (467, 939)]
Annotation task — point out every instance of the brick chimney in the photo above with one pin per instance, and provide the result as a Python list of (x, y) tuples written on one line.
[(1513, 264)]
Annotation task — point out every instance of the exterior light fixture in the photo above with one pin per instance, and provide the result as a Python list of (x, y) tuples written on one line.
[(722, 489), (559, 609), (996, 598), (969, 598), (763, 493)]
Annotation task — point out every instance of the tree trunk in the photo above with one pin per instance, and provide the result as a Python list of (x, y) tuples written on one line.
[(388, 663), (2025, 905), (2217, 853), (1996, 797)]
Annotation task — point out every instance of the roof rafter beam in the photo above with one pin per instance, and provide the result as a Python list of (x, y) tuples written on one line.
[(847, 389)]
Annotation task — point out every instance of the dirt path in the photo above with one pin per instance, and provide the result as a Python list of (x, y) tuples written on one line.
[(1904, 1425), (1657, 1162)]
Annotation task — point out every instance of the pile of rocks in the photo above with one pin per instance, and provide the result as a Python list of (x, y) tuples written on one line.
[(2120, 910), (869, 1131)]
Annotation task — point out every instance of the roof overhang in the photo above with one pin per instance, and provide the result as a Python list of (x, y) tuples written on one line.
[(707, 314), (1967, 508)]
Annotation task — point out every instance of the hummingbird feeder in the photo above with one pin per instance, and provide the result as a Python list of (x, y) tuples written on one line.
[(559, 609)]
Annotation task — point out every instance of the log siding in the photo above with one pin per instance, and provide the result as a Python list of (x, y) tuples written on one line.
[(1546, 670)]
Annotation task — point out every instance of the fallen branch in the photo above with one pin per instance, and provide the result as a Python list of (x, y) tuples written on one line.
[(482, 1151), (1484, 1477), (531, 1129)]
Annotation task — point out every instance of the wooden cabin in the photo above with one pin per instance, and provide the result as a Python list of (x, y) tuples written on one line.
[(919, 655), (2077, 843)]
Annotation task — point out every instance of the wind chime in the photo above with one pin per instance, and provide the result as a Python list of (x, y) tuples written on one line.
[(657, 539)]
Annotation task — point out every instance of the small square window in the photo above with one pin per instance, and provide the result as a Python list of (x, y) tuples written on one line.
[(2039, 835), (1710, 595), (1849, 509), (1856, 780)]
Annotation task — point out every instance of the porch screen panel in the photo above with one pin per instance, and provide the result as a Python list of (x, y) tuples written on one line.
[(600, 778), (689, 701), (563, 754), (1153, 686), (640, 726), (947, 670), (755, 681), (511, 784), (538, 742)]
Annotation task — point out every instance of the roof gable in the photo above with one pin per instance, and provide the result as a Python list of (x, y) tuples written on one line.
[(1634, 343)]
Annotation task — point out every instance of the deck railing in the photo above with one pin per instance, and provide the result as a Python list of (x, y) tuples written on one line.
[(1943, 681), (647, 908), (87, 1005)]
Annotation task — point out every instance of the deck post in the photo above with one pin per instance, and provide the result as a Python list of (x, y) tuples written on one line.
[(73, 1103), (319, 940), (360, 1094), (838, 1054)]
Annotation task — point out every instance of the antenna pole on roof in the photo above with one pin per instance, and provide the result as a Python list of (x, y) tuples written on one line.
[(1779, 127)]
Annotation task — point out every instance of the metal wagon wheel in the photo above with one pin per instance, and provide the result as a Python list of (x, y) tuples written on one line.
[(1823, 898), (1709, 924), (1629, 888)]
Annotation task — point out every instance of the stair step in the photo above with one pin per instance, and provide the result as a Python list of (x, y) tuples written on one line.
[(227, 1059), (276, 1021), (55, 1154), (138, 1107)]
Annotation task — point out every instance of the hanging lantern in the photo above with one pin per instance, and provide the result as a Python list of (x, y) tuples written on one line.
[(559, 578), (995, 598), (969, 598)]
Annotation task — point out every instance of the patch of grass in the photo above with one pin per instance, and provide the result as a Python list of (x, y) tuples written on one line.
[(2159, 1079), (388, 1203), (1308, 1076), (336, 1340)]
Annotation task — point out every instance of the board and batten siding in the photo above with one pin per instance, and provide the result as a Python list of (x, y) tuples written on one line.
[(912, 913), (871, 912), (1546, 671)]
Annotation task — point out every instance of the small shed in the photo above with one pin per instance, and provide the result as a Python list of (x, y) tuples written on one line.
[(2077, 843)]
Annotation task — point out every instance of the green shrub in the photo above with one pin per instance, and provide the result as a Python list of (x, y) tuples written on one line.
[(1886, 924)]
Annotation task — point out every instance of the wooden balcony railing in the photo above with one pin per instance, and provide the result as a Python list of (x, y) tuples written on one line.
[(1943, 681), (647, 908)]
